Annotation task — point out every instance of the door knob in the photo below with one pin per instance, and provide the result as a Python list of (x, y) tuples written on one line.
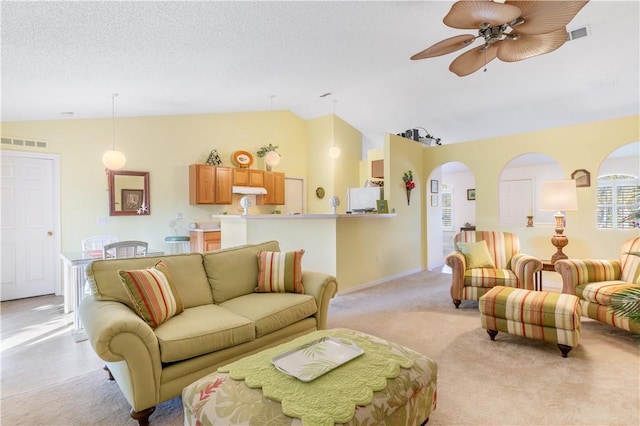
[(49, 233)]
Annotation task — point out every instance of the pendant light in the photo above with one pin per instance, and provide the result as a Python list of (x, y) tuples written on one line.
[(113, 160), (334, 151)]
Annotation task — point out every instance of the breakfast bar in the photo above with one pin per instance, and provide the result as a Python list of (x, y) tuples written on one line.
[(333, 243)]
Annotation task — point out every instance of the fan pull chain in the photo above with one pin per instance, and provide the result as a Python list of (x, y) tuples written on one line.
[(485, 58)]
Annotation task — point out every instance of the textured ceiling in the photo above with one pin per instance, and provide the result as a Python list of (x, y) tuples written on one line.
[(166, 58)]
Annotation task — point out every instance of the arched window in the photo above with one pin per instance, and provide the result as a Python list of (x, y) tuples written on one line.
[(618, 200)]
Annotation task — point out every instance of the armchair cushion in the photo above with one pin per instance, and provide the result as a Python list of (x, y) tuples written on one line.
[(476, 254), (601, 292), (488, 277), (152, 293)]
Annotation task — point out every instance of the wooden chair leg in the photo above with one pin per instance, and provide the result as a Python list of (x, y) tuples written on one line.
[(142, 416), (492, 334), (564, 349), (105, 368)]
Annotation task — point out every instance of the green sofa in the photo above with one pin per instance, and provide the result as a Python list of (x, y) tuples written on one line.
[(224, 319)]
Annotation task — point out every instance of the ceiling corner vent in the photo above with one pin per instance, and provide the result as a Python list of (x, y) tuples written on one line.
[(578, 33), (24, 142)]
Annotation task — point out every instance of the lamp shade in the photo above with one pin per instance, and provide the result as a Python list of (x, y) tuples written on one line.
[(559, 195), (113, 160)]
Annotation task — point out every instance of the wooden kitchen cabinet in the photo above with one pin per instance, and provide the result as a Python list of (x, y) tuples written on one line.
[(248, 177), (209, 184), (204, 241), (274, 184)]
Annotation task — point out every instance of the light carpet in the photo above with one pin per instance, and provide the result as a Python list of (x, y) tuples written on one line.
[(512, 381)]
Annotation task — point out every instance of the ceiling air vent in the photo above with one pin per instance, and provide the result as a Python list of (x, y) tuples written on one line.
[(31, 143), (578, 33)]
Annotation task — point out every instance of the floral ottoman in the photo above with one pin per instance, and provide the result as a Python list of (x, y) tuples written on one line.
[(386, 384)]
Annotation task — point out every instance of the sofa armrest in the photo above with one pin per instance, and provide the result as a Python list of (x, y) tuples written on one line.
[(525, 267), (458, 264), (322, 287), (581, 271), (116, 333)]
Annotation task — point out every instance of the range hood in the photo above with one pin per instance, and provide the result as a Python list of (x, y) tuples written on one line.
[(248, 190)]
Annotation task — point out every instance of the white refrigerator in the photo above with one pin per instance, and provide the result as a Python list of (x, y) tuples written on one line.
[(363, 199)]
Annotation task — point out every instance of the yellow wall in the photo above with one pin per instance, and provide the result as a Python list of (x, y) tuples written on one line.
[(582, 146), (163, 146), (334, 175)]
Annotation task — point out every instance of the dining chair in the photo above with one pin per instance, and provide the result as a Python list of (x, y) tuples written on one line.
[(122, 249), (96, 244)]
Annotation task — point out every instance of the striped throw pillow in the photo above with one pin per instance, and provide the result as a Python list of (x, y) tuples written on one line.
[(152, 293), (280, 272)]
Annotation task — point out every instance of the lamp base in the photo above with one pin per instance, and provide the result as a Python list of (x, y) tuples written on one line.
[(559, 240)]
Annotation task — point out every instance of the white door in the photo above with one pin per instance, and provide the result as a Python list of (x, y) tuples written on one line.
[(28, 219), (293, 195)]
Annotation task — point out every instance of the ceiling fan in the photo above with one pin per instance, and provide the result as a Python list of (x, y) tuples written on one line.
[(512, 31)]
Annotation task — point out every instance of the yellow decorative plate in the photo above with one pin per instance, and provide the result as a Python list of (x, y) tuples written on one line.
[(243, 159)]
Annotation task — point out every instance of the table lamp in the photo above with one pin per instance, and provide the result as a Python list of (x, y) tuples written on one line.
[(559, 196)]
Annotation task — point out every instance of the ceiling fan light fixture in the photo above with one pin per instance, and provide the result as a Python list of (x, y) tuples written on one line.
[(541, 28)]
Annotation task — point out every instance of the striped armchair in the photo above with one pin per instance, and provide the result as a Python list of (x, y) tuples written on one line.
[(510, 267), (596, 281)]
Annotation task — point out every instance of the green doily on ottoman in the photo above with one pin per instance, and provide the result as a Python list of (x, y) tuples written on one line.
[(331, 398)]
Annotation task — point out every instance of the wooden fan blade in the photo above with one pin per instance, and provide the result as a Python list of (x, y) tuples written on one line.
[(472, 14), (541, 16), (472, 60), (530, 45), (445, 46)]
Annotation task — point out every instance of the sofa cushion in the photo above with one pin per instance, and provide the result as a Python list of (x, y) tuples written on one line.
[(201, 330), (601, 292), (233, 271), (272, 311), (487, 277), (280, 272), (190, 278), (152, 293), (476, 254)]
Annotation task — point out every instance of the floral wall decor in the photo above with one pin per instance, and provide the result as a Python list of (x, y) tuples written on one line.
[(409, 184)]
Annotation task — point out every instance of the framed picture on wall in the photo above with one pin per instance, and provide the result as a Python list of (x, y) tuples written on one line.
[(131, 199), (434, 200), (471, 194), (582, 178), (434, 186)]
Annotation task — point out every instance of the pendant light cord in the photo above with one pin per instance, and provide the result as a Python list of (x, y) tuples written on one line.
[(113, 121)]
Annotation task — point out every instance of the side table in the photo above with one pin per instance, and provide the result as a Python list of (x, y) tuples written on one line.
[(546, 266)]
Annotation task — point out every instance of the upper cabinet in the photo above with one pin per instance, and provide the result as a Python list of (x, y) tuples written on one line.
[(274, 184), (248, 177), (209, 184)]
